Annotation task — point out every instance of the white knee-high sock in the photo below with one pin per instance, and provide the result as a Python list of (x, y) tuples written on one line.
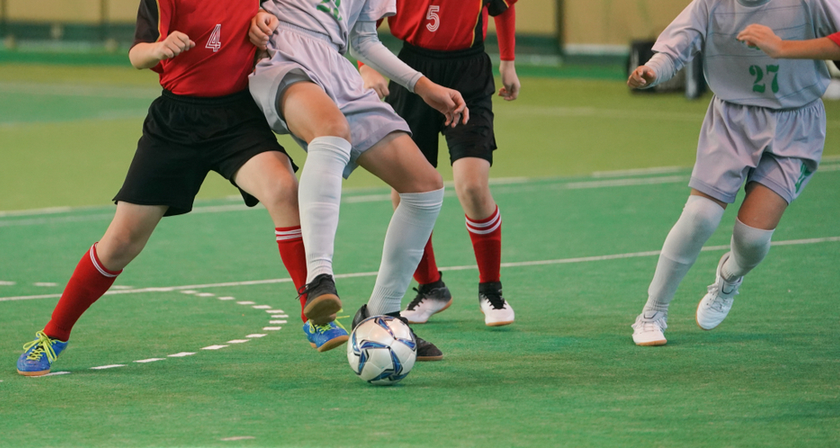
[(319, 195), (698, 221), (748, 248), (409, 230)]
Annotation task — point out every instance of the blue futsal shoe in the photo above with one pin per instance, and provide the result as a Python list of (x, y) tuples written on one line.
[(39, 355), (325, 337)]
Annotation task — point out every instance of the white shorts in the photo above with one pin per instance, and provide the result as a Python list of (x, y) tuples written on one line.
[(302, 55), (780, 149)]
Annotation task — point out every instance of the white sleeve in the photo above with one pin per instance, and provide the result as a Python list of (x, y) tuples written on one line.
[(826, 17), (366, 47), (682, 40)]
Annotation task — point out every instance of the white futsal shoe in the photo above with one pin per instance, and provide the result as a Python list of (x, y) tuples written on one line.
[(431, 298), (649, 329), (715, 305), (497, 311)]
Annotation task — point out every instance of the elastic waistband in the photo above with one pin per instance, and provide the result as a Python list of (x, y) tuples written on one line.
[(476, 49), (233, 98), (307, 32)]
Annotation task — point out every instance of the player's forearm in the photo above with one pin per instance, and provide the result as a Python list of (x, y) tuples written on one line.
[(663, 66), (822, 48), (143, 55), (366, 47)]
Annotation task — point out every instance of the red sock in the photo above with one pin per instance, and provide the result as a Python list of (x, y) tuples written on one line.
[(290, 243), (427, 271), (486, 236), (89, 282)]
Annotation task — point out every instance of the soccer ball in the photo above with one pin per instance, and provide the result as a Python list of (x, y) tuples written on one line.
[(382, 350)]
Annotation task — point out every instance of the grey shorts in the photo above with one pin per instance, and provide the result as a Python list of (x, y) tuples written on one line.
[(780, 149), (302, 55)]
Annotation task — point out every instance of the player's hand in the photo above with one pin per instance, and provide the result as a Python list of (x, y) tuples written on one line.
[(446, 101), (262, 27), (374, 80), (174, 44), (763, 38), (643, 76), (510, 82)]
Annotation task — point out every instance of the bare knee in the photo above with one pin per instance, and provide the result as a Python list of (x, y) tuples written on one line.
[(334, 128), (116, 250), (281, 194)]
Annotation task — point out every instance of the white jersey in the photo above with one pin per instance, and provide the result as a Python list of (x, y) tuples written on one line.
[(333, 18), (740, 74)]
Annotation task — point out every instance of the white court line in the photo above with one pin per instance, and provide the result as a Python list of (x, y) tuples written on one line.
[(504, 185), (111, 366), (214, 347), (650, 253), (143, 361)]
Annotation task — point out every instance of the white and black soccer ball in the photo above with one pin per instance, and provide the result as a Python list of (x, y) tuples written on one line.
[(381, 350)]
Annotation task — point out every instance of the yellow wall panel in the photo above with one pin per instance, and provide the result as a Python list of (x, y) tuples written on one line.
[(616, 22)]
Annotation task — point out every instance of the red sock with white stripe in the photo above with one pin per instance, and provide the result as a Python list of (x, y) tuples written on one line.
[(89, 282), (290, 243), (427, 271), (486, 236)]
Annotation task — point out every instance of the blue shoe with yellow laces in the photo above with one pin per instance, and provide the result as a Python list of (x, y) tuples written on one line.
[(325, 337), (39, 355)]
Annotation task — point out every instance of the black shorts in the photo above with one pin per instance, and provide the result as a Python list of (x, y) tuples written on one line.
[(184, 138), (467, 71)]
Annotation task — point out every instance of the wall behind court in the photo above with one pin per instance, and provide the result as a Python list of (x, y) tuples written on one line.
[(597, 22)]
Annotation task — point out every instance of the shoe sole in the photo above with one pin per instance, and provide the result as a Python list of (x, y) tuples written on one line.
[(652, 343), (331, 344), (430, 316), (498, 324), (322, 307), (429, 358), (41, 373)]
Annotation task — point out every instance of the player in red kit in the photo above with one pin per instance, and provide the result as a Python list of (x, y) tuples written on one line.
[(205, 120), (445, 41)]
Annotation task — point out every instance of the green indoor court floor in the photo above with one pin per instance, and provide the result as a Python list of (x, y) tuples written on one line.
[(199, 341)]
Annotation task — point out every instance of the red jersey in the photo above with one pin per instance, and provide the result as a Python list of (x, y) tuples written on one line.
[(223, 56), (447, 25)]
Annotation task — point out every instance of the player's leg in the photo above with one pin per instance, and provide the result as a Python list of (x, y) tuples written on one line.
[(269, 177), (397, 161), (314, 118), (95, 273), (758, 216), (780, 175), (432, 294), (484, 224), (700, 217)]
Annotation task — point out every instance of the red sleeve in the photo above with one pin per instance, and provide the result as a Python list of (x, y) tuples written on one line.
[(506, 33), (835, 38), (153, 19)]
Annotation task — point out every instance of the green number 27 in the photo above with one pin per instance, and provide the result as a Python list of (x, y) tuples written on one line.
[(758, 85)]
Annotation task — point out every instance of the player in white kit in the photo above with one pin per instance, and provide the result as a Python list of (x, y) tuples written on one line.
[(765, 128), (308, 89)]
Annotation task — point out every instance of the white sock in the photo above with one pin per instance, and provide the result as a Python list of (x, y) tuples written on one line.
[(319, 195), (698, 221), (409, 230), (748, 248)]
